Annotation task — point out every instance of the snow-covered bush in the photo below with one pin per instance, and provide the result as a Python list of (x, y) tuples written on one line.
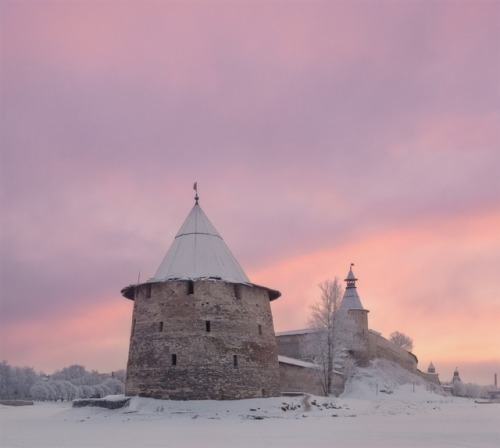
[(65, 385)]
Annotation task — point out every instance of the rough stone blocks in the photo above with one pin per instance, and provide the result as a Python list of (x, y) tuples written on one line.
[(204, 339)]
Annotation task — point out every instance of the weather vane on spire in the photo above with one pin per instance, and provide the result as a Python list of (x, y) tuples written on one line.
[(195, 188)]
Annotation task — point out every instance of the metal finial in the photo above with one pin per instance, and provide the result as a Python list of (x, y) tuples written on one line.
[(195, 188)]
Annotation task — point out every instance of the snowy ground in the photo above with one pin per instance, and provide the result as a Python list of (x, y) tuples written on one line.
[(407, 416)]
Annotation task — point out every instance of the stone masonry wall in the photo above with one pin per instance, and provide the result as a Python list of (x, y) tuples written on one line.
[(383, 348), (291, 345), (295, 378), (362, 352), (432, 378), (207, 339)]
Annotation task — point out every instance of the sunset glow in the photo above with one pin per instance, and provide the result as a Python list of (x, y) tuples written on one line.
[(320, 133)]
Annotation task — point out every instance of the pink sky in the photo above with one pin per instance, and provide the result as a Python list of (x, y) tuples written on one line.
[(320, 134)]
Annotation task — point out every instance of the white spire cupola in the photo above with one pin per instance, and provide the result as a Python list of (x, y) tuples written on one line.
[(351, 300), (198, 251)]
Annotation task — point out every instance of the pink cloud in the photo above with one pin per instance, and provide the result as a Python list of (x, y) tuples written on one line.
[(473, 132), (321, 134), (95, 336)]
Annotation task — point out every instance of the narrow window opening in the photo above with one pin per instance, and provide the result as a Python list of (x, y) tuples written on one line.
[(133, 327), (160, 327), (237, 291), (190, 287), (147, 291), (207, 326), (174, 359), (235, 361), (260, 329)]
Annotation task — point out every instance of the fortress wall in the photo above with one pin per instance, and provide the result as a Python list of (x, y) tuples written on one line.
[(294, 378), (382, 348), (432, 378), (294, 345), (300, 379), (206, 339)]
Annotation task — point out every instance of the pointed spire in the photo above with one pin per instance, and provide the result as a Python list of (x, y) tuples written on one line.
[(195, 188), (351, 300), (351, 279)]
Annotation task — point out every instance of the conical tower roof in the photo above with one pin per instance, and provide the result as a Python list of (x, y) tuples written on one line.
[(351, 300), (456, 376), (198, 251)]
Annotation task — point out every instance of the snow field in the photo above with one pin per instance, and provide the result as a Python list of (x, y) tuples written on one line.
[(394, 420), (405, 415)]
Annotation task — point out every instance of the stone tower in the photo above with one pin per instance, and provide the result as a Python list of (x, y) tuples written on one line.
[(431, 368), (352, 307), (200, 328)]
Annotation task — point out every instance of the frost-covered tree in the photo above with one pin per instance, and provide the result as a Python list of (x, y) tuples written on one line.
[(401, 340), (114, 386), (15, 382), (333, 335), (65, 384), (322, 319), (39, 392), (54, 390), (459, 389), (120, 375), (78, 375), (5, 373), (73, 373)]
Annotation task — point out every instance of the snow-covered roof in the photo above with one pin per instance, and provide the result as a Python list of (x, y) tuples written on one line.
[(297, 362), (294, 332), (198, 251), (351, 276), (351, 300)]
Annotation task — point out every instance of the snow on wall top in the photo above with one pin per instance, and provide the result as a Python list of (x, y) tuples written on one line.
[(198, 251), (298, 332), (297, 362)]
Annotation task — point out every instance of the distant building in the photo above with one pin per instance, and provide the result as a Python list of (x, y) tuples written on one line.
[(456, 376), (293, 343)]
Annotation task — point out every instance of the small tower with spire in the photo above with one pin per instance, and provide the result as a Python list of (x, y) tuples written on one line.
[(352, 309), (431, 368), (200, 328)]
